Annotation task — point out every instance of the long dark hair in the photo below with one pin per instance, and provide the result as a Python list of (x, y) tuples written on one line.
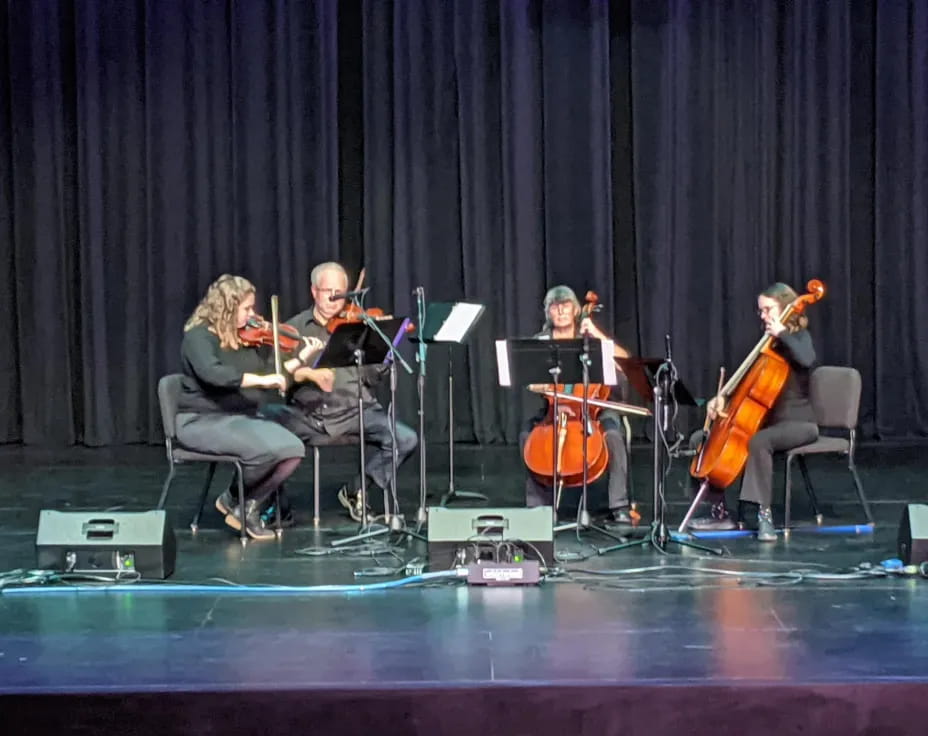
[(784, 295)]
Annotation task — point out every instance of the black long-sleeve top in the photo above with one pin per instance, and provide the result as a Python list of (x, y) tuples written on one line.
[(213, 375), (336, 410), (793, 403)]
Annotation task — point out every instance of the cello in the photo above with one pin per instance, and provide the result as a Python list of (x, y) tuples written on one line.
[(566, 431), (754, 389)]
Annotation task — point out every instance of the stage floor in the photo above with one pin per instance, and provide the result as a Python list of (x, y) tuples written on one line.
[(851, 649)]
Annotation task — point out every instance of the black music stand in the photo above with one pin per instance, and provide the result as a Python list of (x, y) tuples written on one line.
[(359, 344), (526, 361), (656, 380), (449, 323)]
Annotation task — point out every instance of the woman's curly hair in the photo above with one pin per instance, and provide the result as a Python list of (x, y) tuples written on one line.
[(217, 309)]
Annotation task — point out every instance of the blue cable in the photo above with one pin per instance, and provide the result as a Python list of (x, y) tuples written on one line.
[(426, 577)]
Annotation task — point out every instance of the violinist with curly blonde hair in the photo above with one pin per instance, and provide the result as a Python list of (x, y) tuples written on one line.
[(226, 387)]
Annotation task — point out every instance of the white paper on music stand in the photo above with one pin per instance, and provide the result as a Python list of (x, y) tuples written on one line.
[(502, 363), (459, 321), (608, 347)]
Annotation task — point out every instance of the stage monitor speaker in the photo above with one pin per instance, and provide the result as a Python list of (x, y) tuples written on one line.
[(465, 535), (106, 542), (913, 534)]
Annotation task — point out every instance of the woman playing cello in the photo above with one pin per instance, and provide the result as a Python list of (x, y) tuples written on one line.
[(790, 423), (563, 322)]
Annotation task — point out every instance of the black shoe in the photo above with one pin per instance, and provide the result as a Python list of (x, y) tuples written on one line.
[(269, 516), (269, 513), (254, 526), (352, 502), (225, 502), (619, 520), (718, 520)]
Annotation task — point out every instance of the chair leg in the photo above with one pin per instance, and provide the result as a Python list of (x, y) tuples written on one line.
[(860, 490), (243, 535), (315, 486), (195, 524), (278, 529), (788, 491), (810, 489), (167, 485)]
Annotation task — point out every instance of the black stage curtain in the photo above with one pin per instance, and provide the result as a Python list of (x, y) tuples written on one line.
[(675, 157)]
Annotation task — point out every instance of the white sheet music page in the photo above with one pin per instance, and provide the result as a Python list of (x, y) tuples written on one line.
[(608, 347), (502, 363), (458, 323)]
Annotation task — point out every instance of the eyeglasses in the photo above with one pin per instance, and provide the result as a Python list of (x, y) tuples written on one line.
[(764, 311)]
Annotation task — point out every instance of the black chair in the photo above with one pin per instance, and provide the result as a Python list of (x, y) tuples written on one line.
[(317, 443), (169, 390), (835, 395)]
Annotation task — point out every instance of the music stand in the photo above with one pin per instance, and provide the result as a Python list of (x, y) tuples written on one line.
[(656, 381), (358, 344), (449, 323), (526, 361)]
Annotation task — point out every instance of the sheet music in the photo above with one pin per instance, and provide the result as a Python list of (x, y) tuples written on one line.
[(502, 363), (462, 316), (608, 348)]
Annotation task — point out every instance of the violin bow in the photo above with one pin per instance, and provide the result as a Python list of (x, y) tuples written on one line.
[(275, 331)]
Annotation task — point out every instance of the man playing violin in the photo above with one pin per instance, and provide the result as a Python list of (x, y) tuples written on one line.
[(563, 322), (327, 398), (791, 422)]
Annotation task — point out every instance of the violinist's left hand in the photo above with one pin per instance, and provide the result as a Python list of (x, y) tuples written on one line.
[(775, 328), (310, 346), (588, 328)]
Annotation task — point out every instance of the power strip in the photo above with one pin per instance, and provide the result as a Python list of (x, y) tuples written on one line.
[(485, 572)]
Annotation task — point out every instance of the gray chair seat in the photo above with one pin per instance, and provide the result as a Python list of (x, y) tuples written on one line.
[(833, 445), (183, 455)]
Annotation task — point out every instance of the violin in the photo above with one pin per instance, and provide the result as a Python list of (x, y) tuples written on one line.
[(353, 313), (754, 389), (258, 331), (564, 434)]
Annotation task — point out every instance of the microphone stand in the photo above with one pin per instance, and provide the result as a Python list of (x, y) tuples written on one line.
[(659, 537), (394, 520), (583, 514), (421, 513)]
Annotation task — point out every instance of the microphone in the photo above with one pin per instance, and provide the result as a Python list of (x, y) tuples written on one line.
[(419, 291), (667, 353), (349, 294)]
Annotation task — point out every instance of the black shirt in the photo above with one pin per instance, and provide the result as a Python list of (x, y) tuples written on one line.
[(336, 411), (618, 393), (793, 403), (213, 375)]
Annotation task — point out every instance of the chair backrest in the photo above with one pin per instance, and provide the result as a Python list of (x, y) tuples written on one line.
[(835, 395), (169, 389)]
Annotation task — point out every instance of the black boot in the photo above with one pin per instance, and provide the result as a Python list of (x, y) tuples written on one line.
[(718, 520), (254, 526), (269, 514)]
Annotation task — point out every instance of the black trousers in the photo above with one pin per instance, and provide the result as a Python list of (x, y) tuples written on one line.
[(260, 443), (537, 494), (757, 482), (378, 440)]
